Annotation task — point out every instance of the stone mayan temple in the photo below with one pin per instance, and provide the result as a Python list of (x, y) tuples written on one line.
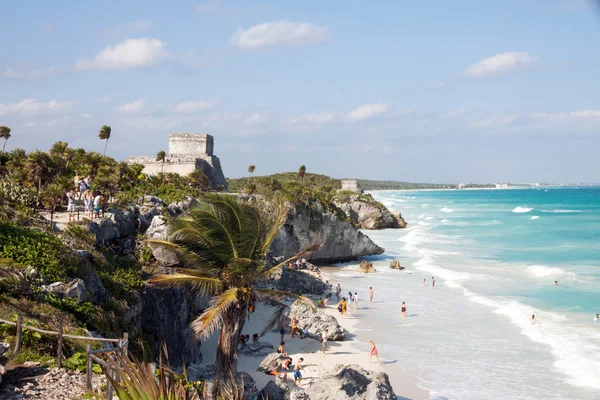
[(187, 152)]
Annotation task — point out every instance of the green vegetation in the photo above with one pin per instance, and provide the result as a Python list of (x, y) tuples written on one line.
[(394, 185), (223, 241)]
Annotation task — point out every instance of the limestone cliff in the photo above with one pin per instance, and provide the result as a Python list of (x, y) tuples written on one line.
[(339, 240), (367, 213)]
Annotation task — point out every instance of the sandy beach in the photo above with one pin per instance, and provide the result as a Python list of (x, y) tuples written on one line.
[(317, 364)]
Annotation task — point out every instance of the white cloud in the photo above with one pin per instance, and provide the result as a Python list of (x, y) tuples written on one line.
[(496, 120), (130, 54), (26, 74), (255, 119), (314, 119), (280, 32), (104, 99), (122, 30), (458, 111), (207, 7), (131, 108), (190, 107), (32, 107), (86, 116), (499, 64), (367, 111)]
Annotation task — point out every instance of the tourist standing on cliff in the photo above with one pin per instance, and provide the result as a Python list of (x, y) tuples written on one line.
[(370, 294)]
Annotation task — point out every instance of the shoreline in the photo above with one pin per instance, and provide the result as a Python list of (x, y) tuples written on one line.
[(317, 364)]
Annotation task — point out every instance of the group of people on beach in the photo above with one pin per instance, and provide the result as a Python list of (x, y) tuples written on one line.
[(94, 202)]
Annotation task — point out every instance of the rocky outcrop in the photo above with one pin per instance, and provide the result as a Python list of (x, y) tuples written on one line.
[(353, 383), (259, 349), (299, 282), (367, 267), (369, 214), (114, 225), (338, 240), (75, 289), (395, 264), (272, 362), (243, 380), (159, 230), (316, 321), (274, 390)]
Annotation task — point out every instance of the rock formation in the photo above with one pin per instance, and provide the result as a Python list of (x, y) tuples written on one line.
[(395, 264), (316, 321), (369, 215), (339, 240), (367, 267), (259, 349)]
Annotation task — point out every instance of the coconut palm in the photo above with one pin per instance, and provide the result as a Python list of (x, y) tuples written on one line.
[(161, 156), (39, 165), (104, 134), (251, 169), (222, 244), (51, 195), (301, 173), (4, 134)]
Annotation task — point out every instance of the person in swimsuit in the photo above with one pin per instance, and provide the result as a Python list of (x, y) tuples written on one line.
[(432, 281), (282, 327), (555, 283), (355, 300), (280, 349), (370, 294), (597, 317), (344, 307), (532, 319), (403, 309), (297, 373), (324, 337), (373, 352), (424, 282), (285, 367)]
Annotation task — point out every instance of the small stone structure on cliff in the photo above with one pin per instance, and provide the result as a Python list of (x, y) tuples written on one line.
[(187, 152), (351, 185)]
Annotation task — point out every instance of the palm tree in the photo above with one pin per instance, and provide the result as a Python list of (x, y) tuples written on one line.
[(301, 173), (198, 179), (39, 165), (104, 135), (161, 156), (4, 134), (51, 196), (222, 244), (251, 169)]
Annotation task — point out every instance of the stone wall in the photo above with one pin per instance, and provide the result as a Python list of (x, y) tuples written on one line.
[(191, 144), (350, 184)]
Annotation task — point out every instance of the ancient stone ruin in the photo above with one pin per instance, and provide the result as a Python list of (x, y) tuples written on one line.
[(187, 152)]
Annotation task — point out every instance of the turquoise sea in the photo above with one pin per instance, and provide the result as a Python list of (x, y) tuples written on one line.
[(495, 255)]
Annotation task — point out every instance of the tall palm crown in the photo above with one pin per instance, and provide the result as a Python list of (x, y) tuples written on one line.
[(251, 169), (4, 134), (301, 173), (161, 156), (104, 134), (39, 165), (222, 244)]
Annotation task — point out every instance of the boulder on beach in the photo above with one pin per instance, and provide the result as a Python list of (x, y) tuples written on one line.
[(316, 321), (352, 382), (272, 362), (244, 381), (367, 267), (274, 390), (395, 264)]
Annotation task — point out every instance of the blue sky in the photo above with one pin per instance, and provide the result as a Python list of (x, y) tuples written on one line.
[(475, 91)]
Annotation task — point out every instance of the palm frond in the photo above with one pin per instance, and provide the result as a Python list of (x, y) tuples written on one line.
[(315, 246), (212, 318), (279, 295), (275, 317), (203, 285)]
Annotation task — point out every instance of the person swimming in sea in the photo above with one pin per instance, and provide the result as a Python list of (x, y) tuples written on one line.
[(432, 281), (403, 309), (424, 280), (555, 283), (532, 319), (597, 317)]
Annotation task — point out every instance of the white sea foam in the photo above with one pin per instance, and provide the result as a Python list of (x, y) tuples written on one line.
[(425, 205), (447, 210), (535, 217), (542, 271), (428, 218), (575, 357), (559, 211), (522, 209)]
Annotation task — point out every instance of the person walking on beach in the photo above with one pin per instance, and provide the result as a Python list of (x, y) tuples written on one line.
[(282, 327), (597, 317), (350, 295), (373, 352), (344, 307), (424, 280), (355, 300), (297, 373), (370, 294), (532, 319), (324, 337), (403, 309), (338, 292), (432, 281), (285, 367)]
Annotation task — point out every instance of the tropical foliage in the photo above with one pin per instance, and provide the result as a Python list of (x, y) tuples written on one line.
[(222, 244)]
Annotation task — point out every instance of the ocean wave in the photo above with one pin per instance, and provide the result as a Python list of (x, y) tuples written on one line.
[(424, 205), (522, 209), (542, 271), (446, 210), (428, 218), (450, 277), (535, 217), (574, 347), (559, 211)]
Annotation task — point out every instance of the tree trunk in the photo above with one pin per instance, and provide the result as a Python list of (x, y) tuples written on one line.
[(227, 354), (4, 145), (105, 143)]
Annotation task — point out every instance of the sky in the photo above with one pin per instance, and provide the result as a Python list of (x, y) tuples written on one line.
[(427, 91)]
